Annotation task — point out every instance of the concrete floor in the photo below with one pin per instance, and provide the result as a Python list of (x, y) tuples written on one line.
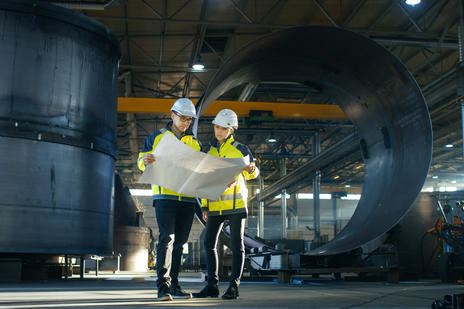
[(125, 291)]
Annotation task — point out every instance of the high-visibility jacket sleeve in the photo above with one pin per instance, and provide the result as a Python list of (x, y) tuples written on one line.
[(253, 175), (204, 204), (246, 152), (147, 148)]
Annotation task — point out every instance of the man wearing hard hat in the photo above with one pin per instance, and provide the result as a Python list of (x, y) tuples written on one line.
[(174, 211), (231, 206)]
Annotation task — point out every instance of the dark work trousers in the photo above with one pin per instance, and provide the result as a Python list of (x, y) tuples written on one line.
[(237, 229), (174, 223)]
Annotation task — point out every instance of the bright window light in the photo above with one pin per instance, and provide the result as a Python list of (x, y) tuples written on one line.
[(451, 189), (412, 2), (429, 189), (351, 197), (309, 196), (141, 192)]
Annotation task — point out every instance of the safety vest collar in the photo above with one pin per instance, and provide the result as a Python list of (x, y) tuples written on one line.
[(226, 144), (169, 128)]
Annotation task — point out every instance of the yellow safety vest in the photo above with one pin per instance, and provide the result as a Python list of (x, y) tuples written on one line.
[(151, 142), (234, 198)]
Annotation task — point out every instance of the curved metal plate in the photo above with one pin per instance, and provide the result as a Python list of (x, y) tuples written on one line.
[(55, 198), (376, 92)]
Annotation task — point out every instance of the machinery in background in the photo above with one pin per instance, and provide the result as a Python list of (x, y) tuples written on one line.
[(409, 251), (455, 301), (450, 229)]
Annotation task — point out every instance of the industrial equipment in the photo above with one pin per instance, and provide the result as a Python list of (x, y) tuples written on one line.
[(450, 228)]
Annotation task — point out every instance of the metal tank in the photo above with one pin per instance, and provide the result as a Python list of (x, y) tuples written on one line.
[(376, 92), (58, 107)]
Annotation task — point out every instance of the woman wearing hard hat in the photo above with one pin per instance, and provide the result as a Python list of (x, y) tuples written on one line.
[(174, 211), (231, 206)]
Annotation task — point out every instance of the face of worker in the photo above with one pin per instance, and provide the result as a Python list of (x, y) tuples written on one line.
[(181, 122), (222, 133)]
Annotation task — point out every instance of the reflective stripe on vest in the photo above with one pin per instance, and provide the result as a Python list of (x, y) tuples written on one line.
[(227, 212), (229, 197)]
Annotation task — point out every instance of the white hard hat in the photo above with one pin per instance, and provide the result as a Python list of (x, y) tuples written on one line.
[(226, 118), (184, 107)]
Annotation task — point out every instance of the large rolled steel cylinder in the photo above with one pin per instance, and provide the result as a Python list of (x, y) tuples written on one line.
[(376, 92), (58, 108)]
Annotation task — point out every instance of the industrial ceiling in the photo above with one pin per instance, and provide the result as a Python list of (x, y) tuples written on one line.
[(161, 40)]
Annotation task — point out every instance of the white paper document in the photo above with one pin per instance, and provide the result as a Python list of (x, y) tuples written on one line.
[(182, 169)]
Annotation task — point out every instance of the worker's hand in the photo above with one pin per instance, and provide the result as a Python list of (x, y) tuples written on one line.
[(230, 184), (250, 168), (148, 159), (205, 216)]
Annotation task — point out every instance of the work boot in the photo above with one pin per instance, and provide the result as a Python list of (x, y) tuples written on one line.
[(231, 293), (177, 292), (164, 293), (208, 291)]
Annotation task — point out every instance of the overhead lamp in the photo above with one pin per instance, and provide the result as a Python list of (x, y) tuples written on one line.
[(336, 177), (347, 186), (198, 64), (435, 177), (449, 145), (412, 2), (272, 139)]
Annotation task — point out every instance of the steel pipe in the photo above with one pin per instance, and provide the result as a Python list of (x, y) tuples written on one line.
[(376, 92)]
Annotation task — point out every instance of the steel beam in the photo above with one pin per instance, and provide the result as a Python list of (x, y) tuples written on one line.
[(279, 110)]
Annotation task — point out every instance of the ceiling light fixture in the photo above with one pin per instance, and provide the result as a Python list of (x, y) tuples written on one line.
[(271, 139), (412, 2), (198, 64), (449, 145), (336, 177), (435, 177)]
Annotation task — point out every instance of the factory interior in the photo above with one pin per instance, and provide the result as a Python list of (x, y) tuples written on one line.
[(352, 109)]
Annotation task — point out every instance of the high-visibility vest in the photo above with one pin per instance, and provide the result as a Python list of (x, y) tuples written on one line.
[(151, 142), (234, 198)]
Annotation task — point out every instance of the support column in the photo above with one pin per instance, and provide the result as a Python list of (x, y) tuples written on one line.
[(82, 268), (460, 67), (260, 230), (335, 213), (295, 210), (316, 187), (283, 172)]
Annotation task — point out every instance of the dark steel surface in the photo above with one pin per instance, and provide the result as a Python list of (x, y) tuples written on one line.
[(58, 87), (378, 95)]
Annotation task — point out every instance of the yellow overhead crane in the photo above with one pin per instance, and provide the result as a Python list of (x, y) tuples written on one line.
[(279, 110)]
